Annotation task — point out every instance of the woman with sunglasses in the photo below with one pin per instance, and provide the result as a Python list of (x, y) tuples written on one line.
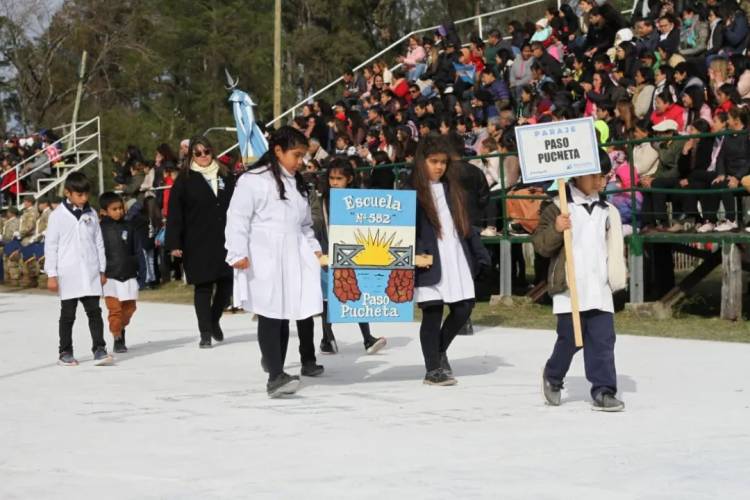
[(198, 204)]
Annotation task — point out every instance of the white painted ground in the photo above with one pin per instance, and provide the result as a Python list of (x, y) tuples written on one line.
[(172, 421)]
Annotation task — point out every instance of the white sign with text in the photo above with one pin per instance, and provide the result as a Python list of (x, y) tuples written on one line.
[(554, 150)]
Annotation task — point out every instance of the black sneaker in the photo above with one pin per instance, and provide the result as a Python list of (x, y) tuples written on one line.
[(67, 359), (216, 333), (205, 344), (101, 358), (445, 366), (373, 345), (551, 391), (467, 329), (328, 346), (283, 385), (311, 369), (438, 377), (120, 346), (605, 401)]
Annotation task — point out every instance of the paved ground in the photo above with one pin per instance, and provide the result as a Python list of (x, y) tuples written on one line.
[(172, 421)]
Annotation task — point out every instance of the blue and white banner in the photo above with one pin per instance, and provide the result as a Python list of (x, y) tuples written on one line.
[(371, 256)]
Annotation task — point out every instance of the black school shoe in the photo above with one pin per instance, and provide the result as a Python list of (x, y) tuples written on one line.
[(373, 345), (438, 377), (311, 369), (445, 366), (205, 343), (101, 358), (467, 329), (283, 385), (120, 346), (552, 392), (329, 346), (605, 401), (217, 333)]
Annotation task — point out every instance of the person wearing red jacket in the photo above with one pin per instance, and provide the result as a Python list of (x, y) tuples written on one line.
[(10, 185), (666, 109)]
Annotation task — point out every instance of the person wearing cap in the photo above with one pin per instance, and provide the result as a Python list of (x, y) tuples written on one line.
[(600, 270), (543, 31), (666, 176)]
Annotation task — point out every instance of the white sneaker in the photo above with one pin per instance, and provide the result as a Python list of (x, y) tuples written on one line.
[(705, 228), (747, 229), (489, 232), (726, 226)]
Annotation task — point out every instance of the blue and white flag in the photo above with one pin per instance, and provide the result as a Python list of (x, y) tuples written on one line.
[(251, 140)]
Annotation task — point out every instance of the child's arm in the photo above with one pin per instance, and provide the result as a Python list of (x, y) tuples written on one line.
[(547, 239), (173, 236), (309, 233), (239, 216), (100, 252), (51, 245)]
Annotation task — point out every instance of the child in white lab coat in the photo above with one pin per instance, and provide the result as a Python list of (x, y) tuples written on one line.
[(271, 245), (75, 262)]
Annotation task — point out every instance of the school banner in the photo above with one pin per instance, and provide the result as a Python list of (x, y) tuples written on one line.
[(371, 255), (549, 151)]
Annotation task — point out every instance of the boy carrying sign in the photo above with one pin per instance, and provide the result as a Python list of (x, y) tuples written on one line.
[(598, 251)]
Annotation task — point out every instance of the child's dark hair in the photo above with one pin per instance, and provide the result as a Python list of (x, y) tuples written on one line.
[(342, 163), (109, 198), (433, 145), (382, 178), (285, 138), (77, 182)]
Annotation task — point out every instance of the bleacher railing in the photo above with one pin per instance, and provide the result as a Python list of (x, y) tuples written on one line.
[(79, 147)]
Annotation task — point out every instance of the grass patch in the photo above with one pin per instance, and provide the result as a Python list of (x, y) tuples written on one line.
[(695, 318), (683, 325)]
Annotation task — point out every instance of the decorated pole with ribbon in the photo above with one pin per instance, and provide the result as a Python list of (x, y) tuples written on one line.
[(251, 140)]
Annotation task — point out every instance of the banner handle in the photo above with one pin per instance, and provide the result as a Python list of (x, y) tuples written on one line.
[(570, 266)]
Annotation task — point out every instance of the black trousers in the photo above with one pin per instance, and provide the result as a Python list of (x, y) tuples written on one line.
[(364, 328), (273, 338), (710, 203), (68, 317), (436, 338), (659, 200), (210, 300), (699, 179), (598, 351)]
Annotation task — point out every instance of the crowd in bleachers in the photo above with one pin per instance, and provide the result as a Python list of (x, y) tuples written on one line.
[(668, 69)]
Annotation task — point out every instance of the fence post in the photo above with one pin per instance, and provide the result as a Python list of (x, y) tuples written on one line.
[(635, 263), (731, 281), (506, 269)]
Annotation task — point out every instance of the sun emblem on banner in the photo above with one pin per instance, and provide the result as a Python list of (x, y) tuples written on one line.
[(376, 248)]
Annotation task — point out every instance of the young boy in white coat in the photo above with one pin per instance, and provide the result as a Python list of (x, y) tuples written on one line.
[(75, 262), (598, 251)]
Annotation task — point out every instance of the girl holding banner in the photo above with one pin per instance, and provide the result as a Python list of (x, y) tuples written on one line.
[(272, 247), (340, 176), (445, 233)]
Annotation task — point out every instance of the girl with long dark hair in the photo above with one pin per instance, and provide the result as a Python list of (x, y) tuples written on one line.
[(444, 232), (198, 204), (341, 175), (272, 247)]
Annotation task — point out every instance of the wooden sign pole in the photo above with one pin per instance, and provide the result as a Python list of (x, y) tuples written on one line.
[(570, 266)]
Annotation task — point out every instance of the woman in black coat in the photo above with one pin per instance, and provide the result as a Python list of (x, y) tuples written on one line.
[(198, 206)]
